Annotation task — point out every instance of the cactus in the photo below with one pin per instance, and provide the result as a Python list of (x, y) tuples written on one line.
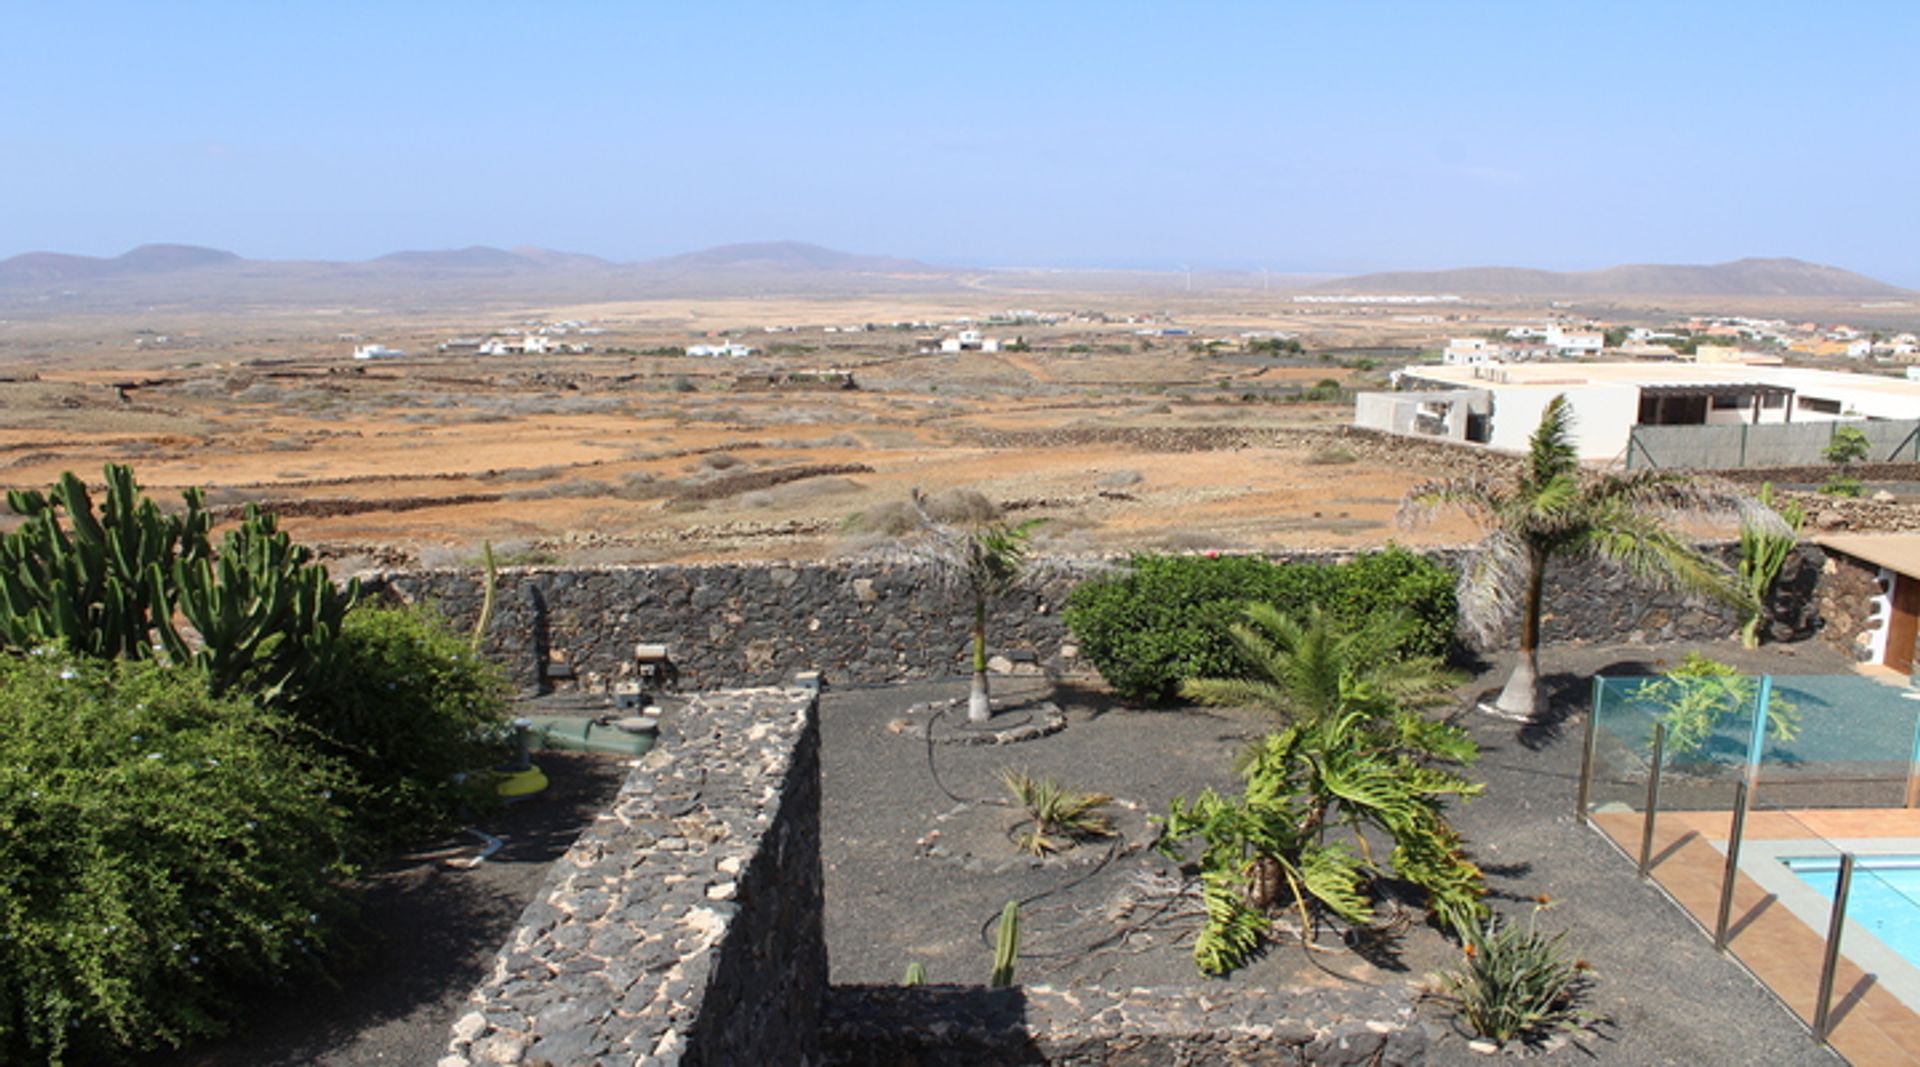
[(110, 585), (92, 587), (1006, 948), (916, 975)]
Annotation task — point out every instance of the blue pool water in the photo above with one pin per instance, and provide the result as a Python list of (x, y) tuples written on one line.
[(1885, 897)]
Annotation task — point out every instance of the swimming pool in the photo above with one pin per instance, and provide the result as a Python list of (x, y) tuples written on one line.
[(1885, 898)]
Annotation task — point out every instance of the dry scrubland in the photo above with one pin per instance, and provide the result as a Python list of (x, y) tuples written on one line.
[(1122, 442)]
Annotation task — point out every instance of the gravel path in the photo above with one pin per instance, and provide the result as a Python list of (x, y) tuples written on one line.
[(895, 895)]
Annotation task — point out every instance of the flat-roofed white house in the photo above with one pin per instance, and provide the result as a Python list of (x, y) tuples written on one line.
[(1499, 404)]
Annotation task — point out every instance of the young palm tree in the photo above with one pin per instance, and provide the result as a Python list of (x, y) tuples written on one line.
[(1553, 509), (1299, 665), (982, 562)]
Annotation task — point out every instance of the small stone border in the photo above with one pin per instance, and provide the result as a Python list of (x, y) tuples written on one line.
[(1091, 852), (1044, 719), (950, 1026)]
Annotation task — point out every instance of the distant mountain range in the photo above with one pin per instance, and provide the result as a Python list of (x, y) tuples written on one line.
[(187, 277), (1742, 277)]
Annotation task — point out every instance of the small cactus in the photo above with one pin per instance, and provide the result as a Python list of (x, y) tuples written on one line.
[(1006, 948), (916, 975)]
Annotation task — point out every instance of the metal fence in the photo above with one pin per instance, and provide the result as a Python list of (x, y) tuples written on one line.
[(1735, 446), (1787, 799)]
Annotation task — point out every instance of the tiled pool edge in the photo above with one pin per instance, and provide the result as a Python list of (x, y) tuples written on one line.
[(1762, 861)]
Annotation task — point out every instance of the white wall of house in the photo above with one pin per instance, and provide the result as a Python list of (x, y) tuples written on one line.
[(1603, 416)]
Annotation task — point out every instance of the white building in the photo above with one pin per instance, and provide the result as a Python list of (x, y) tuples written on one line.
[(376, 351), (1499, 405), (1573, 344), (727, 350), (970, 341)]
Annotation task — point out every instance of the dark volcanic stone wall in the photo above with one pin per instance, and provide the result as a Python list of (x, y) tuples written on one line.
[(868, 622), (685, 926)]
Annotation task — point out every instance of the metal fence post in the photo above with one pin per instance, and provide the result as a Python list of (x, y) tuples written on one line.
[(1831, 962), (1593, 741), (1653, 798), (1913, 768), (1757, 740), (1735, 834)]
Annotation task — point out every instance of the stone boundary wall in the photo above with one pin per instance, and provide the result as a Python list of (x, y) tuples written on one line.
[(685, 926), (866, 621), (961, 1026)]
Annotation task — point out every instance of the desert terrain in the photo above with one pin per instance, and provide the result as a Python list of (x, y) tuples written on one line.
[(1137, 416)]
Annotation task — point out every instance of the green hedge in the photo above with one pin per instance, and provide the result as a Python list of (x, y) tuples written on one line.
[(410, 708), (162, 852), (1165, 619)]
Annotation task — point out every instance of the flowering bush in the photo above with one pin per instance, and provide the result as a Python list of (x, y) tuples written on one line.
[(161, 851)]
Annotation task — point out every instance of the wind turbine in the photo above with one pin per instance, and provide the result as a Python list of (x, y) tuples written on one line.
[(1189, 272)]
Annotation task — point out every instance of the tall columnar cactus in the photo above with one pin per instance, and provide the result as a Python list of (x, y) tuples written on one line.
[(259, 606), (95, 583), (115, 584)]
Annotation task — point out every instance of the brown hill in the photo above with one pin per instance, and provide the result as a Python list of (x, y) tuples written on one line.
[(1744, 277)]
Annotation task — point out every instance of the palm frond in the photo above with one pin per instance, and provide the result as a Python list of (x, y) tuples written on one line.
[(1493, 584), (1643, 547)]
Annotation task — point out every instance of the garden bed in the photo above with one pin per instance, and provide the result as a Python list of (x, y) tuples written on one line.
[(918, 866)]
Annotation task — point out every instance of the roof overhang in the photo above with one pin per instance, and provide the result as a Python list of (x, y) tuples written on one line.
[(1736, 389), (1898, 552)]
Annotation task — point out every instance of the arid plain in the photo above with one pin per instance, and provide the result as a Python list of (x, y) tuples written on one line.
[(1138, 420)]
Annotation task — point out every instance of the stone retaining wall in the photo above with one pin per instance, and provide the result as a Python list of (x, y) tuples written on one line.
[(959, 1026), (685, 926), (863, 621)]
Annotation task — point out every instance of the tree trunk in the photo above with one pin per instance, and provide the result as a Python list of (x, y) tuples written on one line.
[(979, 705), (1520, 697)]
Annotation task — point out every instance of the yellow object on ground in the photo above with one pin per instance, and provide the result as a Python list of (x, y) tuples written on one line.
[(522, 783)]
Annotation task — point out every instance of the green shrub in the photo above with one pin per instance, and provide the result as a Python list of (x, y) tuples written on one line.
[(1166, 619), (162, 852), (410, 710)]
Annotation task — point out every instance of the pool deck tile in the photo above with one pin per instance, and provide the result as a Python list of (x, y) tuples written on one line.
[(1872, 1027)]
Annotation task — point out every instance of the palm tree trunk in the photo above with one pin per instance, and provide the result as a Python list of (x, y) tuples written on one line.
[(979, 705), (1519, 698)]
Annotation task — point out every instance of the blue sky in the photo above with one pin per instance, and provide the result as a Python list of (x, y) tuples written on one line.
[(1316, 137)]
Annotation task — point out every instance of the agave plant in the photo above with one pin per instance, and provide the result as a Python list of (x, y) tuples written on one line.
[(1060, 816), (1517, 982)]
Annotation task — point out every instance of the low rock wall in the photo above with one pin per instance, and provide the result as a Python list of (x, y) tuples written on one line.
[(958, 1026), (686, 925), (864, 621)]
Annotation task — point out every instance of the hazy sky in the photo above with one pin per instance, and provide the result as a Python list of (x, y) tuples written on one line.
[(1311, 136)]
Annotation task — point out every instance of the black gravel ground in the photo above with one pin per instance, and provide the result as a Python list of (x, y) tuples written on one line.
[(1668, 998), (431, 931)]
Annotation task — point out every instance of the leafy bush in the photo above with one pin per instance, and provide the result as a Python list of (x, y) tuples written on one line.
[(1517, 982), (160, 855), (411, 708), (1695, 696), (1167, 618)]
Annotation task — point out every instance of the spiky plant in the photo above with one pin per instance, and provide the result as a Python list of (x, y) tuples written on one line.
[(1061, 816), (1517, 982), (1006, 947), (1555, 510), (1764, 551), (980, 562)]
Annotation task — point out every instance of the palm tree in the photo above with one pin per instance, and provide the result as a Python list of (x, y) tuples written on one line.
[(982, 562), (1300, 665), (1554, 509)]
